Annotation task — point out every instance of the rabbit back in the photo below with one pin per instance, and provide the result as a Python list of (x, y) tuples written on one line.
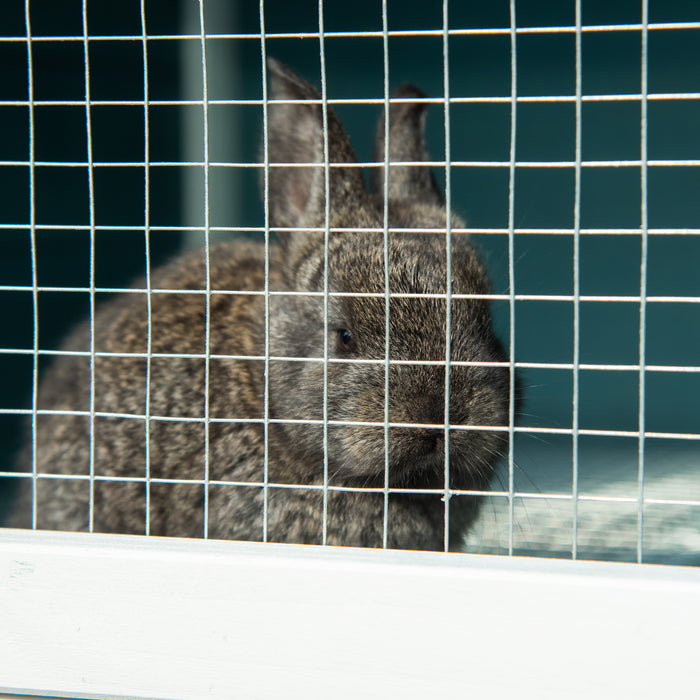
[(170, 382)]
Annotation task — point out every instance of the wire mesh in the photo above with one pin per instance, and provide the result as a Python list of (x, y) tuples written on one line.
[(564, 367)]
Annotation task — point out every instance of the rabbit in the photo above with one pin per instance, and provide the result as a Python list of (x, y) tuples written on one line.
[(250, 433)]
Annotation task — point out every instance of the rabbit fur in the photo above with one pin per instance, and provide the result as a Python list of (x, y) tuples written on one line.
[(187, 494)]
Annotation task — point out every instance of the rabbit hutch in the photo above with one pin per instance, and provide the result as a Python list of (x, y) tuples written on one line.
[(550, 339)]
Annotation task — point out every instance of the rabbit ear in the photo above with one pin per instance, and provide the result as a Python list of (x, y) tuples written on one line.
[(406, 143), (297, 195)]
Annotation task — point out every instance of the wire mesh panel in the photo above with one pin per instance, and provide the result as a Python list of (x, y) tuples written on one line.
[(388, 274), (561, 132)]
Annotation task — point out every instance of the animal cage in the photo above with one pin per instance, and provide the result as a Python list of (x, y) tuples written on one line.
[(564, 133)]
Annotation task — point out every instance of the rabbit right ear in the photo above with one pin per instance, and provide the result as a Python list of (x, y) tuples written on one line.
[(297, 195), (406, 143)]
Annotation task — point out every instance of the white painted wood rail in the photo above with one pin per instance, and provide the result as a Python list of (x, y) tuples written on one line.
[(111, 616)]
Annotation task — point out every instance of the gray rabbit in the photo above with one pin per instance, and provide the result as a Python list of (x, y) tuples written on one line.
[(194, 467)]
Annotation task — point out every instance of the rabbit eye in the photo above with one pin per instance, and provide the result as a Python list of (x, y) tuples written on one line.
[(346, 342)]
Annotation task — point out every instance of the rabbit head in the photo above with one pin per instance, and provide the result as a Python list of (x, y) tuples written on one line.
[(331, 210)]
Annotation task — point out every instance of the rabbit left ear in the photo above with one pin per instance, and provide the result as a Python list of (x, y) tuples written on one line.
[(406, 143), (297, 194)]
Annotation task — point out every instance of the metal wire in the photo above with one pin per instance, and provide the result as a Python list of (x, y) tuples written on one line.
[(511, 273), (266, 206), (643, 280), (91, 194), (448, 260), (32, 235), (326, 241), (147, 250), (207, 264), (577, 292), (563, 29), (387, 290)]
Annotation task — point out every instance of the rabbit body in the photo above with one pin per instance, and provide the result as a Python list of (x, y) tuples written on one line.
[(199, 463)]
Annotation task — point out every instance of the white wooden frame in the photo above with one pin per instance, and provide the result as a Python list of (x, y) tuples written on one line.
[(104, 616)]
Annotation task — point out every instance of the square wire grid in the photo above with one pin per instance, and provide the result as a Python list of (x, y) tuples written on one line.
[(205, 38)]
